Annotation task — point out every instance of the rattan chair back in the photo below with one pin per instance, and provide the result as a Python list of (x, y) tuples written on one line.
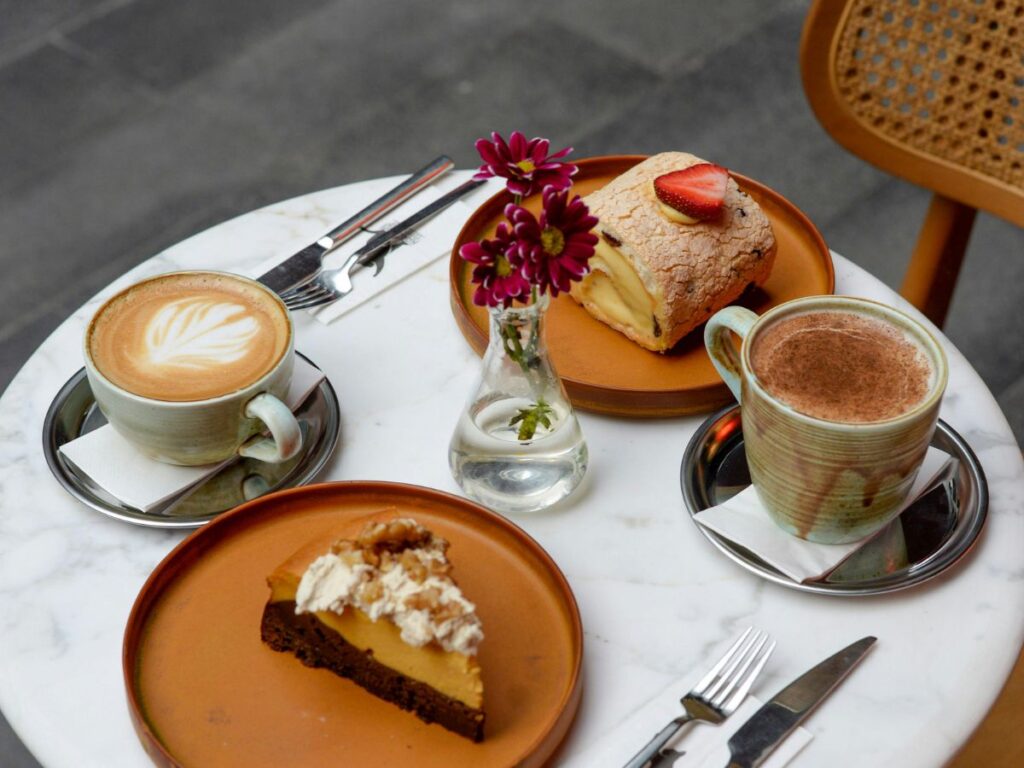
[(930, 91)]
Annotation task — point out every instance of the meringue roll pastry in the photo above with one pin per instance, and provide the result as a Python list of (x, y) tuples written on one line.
[(677, 241), (383, 611)]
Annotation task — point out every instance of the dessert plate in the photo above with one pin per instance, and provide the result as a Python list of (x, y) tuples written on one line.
[(602, 369), (931, 535), (204, 690), (74, 412)]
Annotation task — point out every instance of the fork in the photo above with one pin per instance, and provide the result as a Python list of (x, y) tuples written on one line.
[(331, 284), (719, 692)]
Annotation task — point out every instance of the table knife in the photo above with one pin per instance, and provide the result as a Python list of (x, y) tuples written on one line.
[(340, 279), (306, 263), (771, 724), (392, 235)]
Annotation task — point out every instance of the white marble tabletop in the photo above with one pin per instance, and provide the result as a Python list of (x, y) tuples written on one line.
[(654, 595)]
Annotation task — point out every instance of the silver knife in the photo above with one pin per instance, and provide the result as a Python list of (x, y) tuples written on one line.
[(306, 263), (390, 236), (772, 723)]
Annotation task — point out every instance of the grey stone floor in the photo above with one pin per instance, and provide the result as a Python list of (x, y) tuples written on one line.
[(127, 125)]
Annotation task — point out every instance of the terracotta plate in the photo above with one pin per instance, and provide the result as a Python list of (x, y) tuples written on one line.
[(204, 690), (602, 369)]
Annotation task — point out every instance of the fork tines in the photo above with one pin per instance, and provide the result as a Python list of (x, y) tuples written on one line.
[(730, 680)]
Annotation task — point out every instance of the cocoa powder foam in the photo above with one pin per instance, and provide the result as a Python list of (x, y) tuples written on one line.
[(841, 366)]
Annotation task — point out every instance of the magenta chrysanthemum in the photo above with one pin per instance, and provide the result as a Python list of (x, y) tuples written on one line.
[(498, 273), (555, 249), (526, 164)]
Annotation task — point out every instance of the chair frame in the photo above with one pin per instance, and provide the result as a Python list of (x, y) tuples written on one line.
[(959, 191)]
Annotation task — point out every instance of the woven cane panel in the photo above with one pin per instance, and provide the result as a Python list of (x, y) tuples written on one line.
[(944, 77)]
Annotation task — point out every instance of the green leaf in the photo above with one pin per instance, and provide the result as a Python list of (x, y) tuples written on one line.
[(529, 418)]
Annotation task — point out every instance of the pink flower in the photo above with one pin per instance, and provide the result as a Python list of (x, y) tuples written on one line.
[(526, 164), (498, 273), (556, 249)]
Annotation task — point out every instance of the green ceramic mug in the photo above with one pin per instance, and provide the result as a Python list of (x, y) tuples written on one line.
[(192, 367), (826, 481)]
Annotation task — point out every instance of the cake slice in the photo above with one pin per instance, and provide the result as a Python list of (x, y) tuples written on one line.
[(383, 611), (657, 274)]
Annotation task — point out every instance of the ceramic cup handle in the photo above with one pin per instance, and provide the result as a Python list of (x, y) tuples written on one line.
[(723, 354), (285, 436)]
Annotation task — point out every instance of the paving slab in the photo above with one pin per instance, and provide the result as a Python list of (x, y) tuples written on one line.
[(12, 751), (24, 23), (750, 115), (986, 321), (666, 37), (167, 43), (52, 100), (1011, 400)]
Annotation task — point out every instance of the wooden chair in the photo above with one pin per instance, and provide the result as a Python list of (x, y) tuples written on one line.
[(930, 91)]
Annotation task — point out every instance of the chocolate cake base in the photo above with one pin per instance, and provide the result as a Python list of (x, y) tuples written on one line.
[(317, 645)]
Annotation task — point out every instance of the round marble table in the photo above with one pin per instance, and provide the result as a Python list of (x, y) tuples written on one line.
[(656, 598)]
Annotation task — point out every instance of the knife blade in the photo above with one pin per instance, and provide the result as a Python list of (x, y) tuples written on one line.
[(340, 278), (307, 262), (375, 244), (772, 723)]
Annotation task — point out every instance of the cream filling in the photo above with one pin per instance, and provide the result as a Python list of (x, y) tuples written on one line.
[(616, 288), (672, 214)]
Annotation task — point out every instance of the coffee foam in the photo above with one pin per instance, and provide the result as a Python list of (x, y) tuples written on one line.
[(842, 365), (200, 332), (188, 336)]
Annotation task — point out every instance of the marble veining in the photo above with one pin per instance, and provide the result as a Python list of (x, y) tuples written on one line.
[(655, 597)]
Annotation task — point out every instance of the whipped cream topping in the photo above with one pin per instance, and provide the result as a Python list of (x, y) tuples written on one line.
[(406, 582), (197, 332)]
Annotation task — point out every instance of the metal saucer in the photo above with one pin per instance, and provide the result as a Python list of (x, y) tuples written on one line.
[(930, 536), (73, 413)]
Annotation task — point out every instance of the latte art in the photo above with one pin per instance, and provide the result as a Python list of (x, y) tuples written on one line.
[(189, 336), (199, 333)]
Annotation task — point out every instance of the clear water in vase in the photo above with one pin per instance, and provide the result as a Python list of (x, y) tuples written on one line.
[(497, 469)]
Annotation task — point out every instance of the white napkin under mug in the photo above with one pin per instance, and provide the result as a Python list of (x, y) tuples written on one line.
[(130, 476), (743, 520)]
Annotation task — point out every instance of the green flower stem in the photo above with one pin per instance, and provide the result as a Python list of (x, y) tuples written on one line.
[(538, 414)]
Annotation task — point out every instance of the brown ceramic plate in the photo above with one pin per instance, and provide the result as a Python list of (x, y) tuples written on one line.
[(203, 690), (602, 369)]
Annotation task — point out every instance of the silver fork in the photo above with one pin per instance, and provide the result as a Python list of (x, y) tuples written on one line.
[(719, 692), (328, 286), (331, 284)]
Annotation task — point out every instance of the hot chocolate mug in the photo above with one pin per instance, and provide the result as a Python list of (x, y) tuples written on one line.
[(192, 366), (824, 479)]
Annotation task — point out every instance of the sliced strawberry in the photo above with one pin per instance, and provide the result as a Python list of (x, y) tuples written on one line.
[(697, 191)]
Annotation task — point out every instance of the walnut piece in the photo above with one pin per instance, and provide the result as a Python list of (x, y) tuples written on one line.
[(395, 535), (428, 599), (413, 566), (371, 592)]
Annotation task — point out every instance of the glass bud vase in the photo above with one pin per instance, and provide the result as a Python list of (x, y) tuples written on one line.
[(518, 446)]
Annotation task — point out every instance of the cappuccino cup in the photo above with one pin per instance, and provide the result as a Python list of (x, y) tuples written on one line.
[(840, 397), (192, 366)]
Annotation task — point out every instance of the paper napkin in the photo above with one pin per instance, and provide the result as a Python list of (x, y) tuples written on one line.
[(122, 470), (702, 745), (744, 521), (424, 245)]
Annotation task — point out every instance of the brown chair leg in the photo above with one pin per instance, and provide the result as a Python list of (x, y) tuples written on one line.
[(931, 275)]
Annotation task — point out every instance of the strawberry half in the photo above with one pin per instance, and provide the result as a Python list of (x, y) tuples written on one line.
[(697, 191)]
